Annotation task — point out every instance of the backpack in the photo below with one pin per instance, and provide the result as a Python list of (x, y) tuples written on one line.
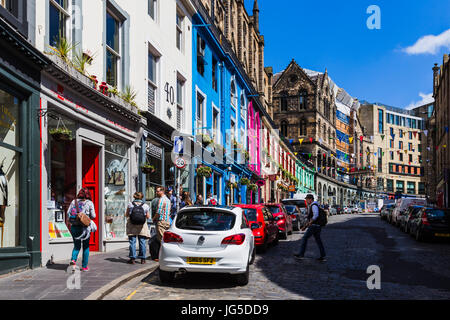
[(322, 220), (137, 215), (73, 214)]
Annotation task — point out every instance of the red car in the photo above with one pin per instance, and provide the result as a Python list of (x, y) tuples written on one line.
[(262, 223), (284, 220)]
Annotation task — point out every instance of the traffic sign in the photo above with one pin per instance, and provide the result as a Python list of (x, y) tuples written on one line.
[(180, 163)]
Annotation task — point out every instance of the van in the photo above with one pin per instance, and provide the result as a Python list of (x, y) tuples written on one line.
[(403, 204)]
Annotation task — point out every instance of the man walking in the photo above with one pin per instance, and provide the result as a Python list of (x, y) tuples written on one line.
[(162, 216), (314, 229)]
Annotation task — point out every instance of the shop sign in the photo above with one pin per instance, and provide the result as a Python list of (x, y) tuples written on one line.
[(153, 151)]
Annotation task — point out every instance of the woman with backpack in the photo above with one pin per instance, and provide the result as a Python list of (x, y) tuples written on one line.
[(81, 204), (137, 213)]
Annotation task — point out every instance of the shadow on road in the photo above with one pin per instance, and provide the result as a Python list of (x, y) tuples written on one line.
[(352, 246)]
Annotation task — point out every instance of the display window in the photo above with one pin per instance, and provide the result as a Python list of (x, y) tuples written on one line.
[(154, 157), (9, 170), (117, 193), (62, 174)]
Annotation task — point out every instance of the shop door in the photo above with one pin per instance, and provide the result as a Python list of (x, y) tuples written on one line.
[(91, 181)]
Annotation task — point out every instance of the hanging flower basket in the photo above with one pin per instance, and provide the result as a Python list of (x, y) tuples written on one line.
[(204, 172), (244, 182), (253, 187), (61, 134), (147, 168), (233, 185)]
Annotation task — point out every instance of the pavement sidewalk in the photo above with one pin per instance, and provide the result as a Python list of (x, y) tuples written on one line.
[(107, 272)]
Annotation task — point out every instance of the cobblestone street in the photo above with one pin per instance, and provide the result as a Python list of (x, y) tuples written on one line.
[(409, 269)]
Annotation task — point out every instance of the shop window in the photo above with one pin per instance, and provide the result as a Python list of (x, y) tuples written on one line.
[(61, 174), (116, 187), (154, 156), (9, 170)]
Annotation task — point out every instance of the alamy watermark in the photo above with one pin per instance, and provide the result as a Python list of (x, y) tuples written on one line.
[(74, 280), (374, 280), (374, 20)]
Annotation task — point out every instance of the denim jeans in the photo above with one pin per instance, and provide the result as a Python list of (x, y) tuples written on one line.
[(142, 248), (76, 232), (313, 230)]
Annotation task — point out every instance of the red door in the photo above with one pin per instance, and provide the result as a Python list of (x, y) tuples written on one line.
[(91, 181)]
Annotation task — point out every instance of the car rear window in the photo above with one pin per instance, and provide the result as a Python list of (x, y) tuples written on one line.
[(438, 213), (250, 214), (274, 209), (291, 209), (205, 220)]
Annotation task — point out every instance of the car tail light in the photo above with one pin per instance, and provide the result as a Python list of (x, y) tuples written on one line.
[(234, 239), (172, 237), (425, 220)]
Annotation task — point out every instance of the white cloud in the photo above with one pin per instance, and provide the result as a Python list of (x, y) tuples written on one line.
[(426, 99), (430, 44)]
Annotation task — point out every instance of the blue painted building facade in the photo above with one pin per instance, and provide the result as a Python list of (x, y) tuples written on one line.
[(219, 117)]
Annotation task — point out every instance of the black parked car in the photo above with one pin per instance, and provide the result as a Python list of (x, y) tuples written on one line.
[(406, 219), (429, 223)]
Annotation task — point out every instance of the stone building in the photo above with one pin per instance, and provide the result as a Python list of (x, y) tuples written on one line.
[(396, 157), (441, 85), (304, 110)]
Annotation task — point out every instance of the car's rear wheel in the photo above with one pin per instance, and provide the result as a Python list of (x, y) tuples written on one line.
[(243, 278), (166, 276)]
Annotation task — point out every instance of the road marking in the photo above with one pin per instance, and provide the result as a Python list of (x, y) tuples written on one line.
[(133, 293)]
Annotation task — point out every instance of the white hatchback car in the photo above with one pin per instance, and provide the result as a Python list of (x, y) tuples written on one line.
[(215, 239)]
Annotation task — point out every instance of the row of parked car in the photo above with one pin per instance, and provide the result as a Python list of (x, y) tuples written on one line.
[(417, 218), (336, 209), (225, 239)]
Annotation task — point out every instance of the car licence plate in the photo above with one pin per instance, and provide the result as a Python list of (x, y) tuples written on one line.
[(192, 260), (446, 235)]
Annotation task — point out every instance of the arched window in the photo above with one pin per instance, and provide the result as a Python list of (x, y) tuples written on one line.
[(284, 128), (284, 102), (303, 100)]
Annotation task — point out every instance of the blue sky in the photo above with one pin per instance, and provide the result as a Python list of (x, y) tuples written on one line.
[(371, 65)]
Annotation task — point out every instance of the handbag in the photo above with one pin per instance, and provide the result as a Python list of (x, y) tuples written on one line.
[(82, 217)]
